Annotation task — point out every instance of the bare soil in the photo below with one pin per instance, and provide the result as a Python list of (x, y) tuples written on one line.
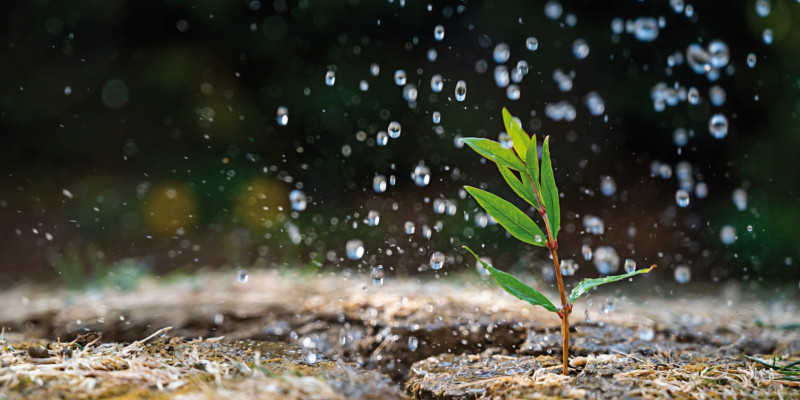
[(338, 336)]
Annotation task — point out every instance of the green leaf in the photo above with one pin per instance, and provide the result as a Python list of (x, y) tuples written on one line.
[(510, 217), (550, 195), (587, 284), (532, 161), (518, 135), (522, 190), (515, 287), (495, 152)]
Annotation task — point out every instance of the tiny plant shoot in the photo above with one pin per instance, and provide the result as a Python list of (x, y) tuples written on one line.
[(535, 184)]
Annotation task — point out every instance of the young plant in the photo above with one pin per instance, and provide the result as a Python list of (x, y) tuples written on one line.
[(535, 184)]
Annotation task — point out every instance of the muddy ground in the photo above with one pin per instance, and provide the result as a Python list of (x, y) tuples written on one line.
[(336, 336)]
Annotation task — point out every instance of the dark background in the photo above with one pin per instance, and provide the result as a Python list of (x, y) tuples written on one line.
[(147, 131)]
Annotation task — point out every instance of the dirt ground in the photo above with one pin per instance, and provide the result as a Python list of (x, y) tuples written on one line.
[(282, 336)]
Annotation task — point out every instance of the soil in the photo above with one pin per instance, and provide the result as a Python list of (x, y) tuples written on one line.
[(339, 336)]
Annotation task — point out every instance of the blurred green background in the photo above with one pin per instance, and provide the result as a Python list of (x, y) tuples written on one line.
[(144, 134)]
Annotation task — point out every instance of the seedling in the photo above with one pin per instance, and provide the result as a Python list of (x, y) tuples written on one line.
[(535, 184)]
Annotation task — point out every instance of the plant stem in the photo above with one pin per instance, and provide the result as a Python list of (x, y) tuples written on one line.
[(552, 244)]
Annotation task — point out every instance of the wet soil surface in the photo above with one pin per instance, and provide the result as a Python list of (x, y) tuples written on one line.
[(454, 338)]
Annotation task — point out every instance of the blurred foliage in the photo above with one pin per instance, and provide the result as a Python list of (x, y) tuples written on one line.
[(158, 119)]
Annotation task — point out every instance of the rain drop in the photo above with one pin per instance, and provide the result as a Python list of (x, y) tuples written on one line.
[(607, 186), (682, 198), (606, 260), (421, 175), (437, 260), (532, 43), (568, 267), (680, 137), (241, 276), (438, 33), (683, 274), (586, 252), (461, 90), (645, 29), (437, 117), (740, 199), (354, 249), (298, 200), (501, 53), (767, 36), (67, 90), (394, 129), (513, 93), (330, 78), (595, 104), (373, 218), (379, 184), (283, 116), (409, 227), (693, 96), (719, 55), (630, 265), (437, 83), (381, 139), (701, 190), (718, 126), (763, 8), (400, 77), (751, 60), (727, 234), (374, 69), (716, 95), (377, 275), (580, 49), (501, 77), (413, 342), (553, 9)]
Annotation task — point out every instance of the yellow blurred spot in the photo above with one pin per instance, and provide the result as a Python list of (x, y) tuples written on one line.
[(169, 209), (260, 203)]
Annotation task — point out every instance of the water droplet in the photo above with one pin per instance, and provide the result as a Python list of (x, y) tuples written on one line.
[(354, 249), (727, 234), (426, 232), (701, 190), (593, 224), (683, 170), (719, 55), (677, 6), (693, 96), (606, 260), (683, 274), (461, 90), (607, 186), (413, 342), (373, 218), (482, 271), (698, 59), (421, 175), (646, 332), (67, 90), (522, 68), (241, 276), (379, 184), (410, 92), (553, 9), (437, 260), (381, 139), (617, 26), (481, 220), (682, 198), (680, 137), (400, 77), (513, 93), (568, 267), (501, 53), (595, 104), (718, 126), (437, 83), (717, 95), (630, 265), (432, 54), (501, 77), (374, 69), (377, 275), (586, 251), (283, 116), (311, 357), (437, 117), (763, 7), (608, 305), (645, 29), (438, 33), (532, 43), (330, 78), (740, 199), (751, 60), (298, 200), (67, 193), (410, 228), (767, 36), (394, 129), (580, 49)]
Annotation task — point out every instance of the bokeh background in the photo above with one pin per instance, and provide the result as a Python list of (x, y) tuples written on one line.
[(150, 137)]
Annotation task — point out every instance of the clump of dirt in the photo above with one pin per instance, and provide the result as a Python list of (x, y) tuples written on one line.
[(462, 339)]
